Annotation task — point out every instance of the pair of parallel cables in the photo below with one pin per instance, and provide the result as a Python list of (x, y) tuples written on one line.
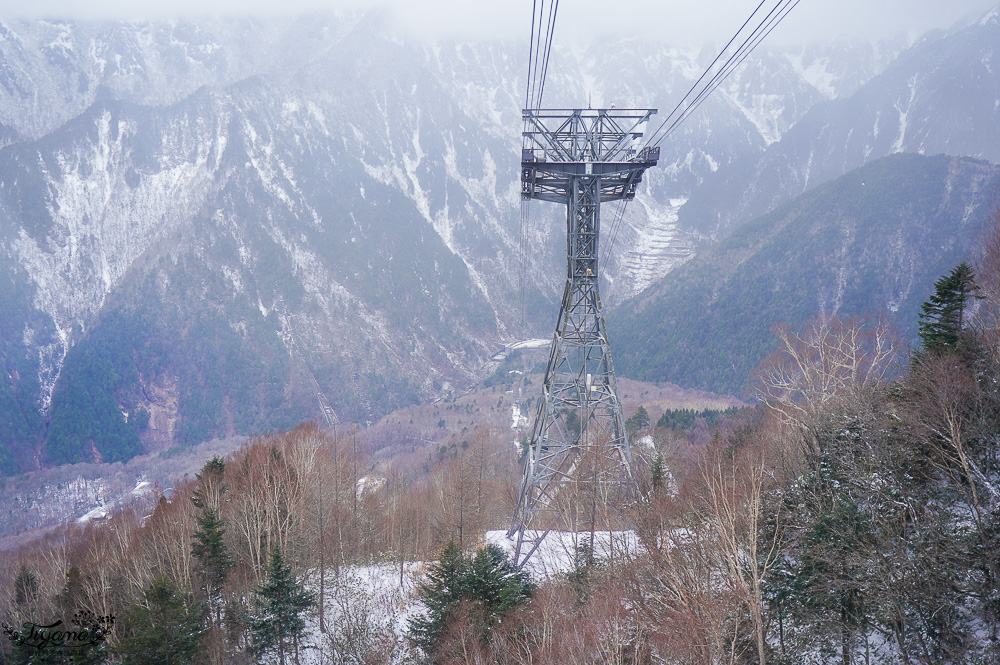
[(543, 27)]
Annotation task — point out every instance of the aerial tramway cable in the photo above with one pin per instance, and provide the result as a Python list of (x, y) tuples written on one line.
[(543, 22), (531, 52), (543, 26), (681, 112), (550, 33), (540, 49)]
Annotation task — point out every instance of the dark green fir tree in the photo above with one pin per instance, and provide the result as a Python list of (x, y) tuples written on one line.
[(25, 587), (489, 581), (276, 622), (658, 473), (214, 560), (639, 421), (943, 315), (165, 629)]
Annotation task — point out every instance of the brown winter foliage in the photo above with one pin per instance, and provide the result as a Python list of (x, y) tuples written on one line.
[(312, 493), (853, 516)]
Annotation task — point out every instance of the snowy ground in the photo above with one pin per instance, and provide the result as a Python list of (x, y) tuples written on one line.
[(364, 607), (557, 552), (371, 605)]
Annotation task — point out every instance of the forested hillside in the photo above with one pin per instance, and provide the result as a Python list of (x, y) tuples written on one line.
[(852, 516), (868, 244)]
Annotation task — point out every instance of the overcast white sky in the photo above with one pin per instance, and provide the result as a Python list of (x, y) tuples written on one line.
[(673, 20)]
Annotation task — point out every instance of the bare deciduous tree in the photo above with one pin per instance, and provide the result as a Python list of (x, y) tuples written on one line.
[(734, 488), (815, 370)]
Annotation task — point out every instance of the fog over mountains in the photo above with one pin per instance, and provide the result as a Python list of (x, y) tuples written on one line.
[(205, 225)]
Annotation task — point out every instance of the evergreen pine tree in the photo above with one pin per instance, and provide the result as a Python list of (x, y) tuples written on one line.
[(942, 315), (25, 587), (440, 591), (658, 473), (276, 623), (489, 579), (214, 561), (497, 583), (639, 420), (211, 475), (165, 629)]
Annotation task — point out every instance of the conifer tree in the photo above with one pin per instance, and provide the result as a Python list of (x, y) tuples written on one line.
[(942, 315), (25, 587), (165, 629), (443, 588), (639, 420), (214, 560), (489, 580), (276, 623), (497, 582), (210, 487), (658, 472)]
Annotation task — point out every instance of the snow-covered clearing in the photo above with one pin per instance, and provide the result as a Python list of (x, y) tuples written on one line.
[(370, 605)]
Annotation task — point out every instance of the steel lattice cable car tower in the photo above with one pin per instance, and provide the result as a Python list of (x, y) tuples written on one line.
[(579, 453)]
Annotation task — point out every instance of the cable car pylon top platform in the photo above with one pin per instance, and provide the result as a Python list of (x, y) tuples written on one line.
[(560, 144)]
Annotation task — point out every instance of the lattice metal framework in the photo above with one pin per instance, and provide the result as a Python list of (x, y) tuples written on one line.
[(579, 455)]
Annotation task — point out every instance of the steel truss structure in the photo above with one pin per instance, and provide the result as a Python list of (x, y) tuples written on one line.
[(578, 461)]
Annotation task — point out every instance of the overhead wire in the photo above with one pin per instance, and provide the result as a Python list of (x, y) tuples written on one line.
[(707, 70), (681, 111), (616, 223), (735, 61), (543, 20), (531, 51), (750, 42), (540, 48), (550, 33), (543, 23)]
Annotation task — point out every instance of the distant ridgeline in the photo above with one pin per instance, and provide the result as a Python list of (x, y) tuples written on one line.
[(871, 242)]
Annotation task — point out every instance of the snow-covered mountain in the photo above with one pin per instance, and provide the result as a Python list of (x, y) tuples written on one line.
[(228, 225), (942, 95)]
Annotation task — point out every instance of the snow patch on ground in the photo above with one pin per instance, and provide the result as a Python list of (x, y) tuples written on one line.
[(558, 551), (816, 73), (903, 113), (531, 344), (379, 596), (518, 419)]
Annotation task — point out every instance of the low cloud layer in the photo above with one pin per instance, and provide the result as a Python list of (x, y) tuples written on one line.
[(680, 20)]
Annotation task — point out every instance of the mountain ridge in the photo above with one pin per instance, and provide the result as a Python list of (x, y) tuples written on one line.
[(870, 243)]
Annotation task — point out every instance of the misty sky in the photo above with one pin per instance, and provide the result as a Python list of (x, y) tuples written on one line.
[(672, 20)]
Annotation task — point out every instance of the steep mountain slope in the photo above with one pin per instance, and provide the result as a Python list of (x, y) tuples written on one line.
[(940, 96), (871, 242), (220, 228)]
